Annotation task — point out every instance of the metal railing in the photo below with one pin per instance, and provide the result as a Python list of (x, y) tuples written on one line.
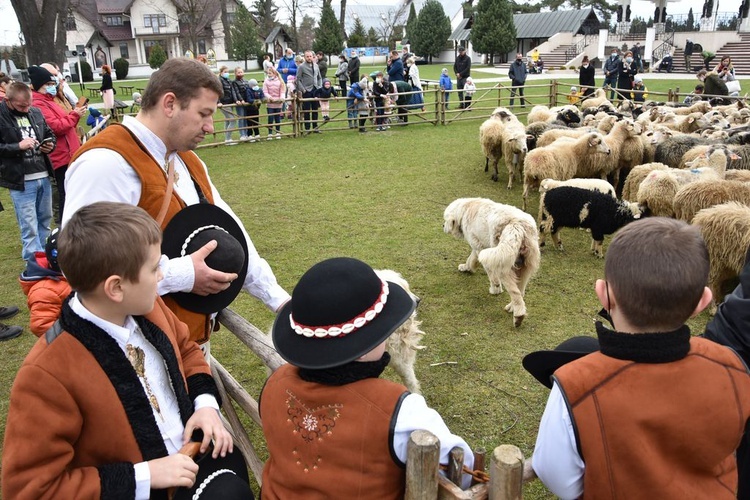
[(572, 52), (663, 49)]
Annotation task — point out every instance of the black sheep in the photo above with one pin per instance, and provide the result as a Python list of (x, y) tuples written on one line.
[(568, 206)]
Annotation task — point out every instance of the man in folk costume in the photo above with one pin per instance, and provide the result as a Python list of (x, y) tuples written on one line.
[(150, 155)]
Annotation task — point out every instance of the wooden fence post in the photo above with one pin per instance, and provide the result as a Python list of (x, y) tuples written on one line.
[(506, 473), (553, 94), (422, 462)]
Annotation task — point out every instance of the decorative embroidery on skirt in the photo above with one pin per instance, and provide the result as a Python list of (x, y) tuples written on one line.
[(312, 425)]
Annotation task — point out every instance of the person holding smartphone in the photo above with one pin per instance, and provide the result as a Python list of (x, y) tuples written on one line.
[(25, 167), (63, 124)]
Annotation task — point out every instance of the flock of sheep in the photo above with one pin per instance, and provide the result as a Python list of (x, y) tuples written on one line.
[(603, 166)]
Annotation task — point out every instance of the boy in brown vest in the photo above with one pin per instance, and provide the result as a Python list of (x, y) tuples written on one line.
[(108, 396), (334, 429), (655, 413)]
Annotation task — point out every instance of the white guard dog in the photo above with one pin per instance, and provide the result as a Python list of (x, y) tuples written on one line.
[(403, 344), (504, 239)]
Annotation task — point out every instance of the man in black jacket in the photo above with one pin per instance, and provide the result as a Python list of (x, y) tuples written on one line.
[(353, 68), (517, 74), (25, 141), (462, 69)]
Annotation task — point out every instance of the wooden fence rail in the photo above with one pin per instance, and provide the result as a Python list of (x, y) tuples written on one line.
[(508, 470)]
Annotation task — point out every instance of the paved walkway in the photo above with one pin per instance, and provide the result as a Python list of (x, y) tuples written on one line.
[(567, 74)]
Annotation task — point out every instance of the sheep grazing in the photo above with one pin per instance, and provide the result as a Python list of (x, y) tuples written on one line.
[(696, 196), (636, 176), (593, 184), (559, 160), (658, 189), (726, 231), (569, 206)]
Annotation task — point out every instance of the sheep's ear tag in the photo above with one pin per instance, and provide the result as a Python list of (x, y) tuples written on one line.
[(734, 156)]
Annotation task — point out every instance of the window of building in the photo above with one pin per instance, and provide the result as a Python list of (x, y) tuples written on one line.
[(70, 23), (201, 46), (113, 20), (124, 51), (154, 20)]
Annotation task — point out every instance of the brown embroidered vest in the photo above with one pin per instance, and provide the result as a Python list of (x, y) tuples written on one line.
[(666, 430), (328, 442), (153, 187)]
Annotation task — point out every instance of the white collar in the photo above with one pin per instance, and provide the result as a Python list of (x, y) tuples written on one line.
[(120, 334), (155, 146)]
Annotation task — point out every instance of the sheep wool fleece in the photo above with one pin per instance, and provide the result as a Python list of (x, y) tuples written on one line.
[(661, 413), (330, 441)]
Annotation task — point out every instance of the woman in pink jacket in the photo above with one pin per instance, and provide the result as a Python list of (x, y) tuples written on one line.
[(275, 91), (62, 123)]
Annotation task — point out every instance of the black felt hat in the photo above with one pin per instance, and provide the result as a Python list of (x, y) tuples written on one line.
[(542, 364), (222, 477), (193, 227), (340, 310)]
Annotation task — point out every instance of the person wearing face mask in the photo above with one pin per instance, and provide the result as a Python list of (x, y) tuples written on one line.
[(380, 91), (517, 74), (63, 123), (287, 66), (25, 141), (229, 98), (626, 72), (586, 77), (611, 69), (395, 67)]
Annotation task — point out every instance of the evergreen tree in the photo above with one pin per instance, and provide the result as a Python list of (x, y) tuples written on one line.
[(373, 40), (603, 8), (306, 33), (265, 12), (411, 24), (157, 56), (433, 29), (358, 36), (690, 20), (328, 39), (493, 31), (245, 42)]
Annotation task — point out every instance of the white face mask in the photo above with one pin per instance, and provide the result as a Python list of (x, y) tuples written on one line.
[(585, 65)]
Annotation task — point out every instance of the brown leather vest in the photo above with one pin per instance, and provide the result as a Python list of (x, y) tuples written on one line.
[(659, 430), (328, 442), (153, 187)]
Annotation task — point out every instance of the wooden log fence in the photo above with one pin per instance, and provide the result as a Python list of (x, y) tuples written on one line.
[(441, 108), (508, 469)]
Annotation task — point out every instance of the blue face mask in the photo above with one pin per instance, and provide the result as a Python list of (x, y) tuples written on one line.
[(51, 90), (225, 75)]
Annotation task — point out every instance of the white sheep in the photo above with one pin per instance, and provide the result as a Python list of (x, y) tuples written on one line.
[(698, 107), (604, 164), (560, 160), (683, 123), (514, 150), (636, 176), (652, 136), (658, 189), (726, 231), (593, 184), (491, 140), (595, 100), (696, 196), (541, 113)]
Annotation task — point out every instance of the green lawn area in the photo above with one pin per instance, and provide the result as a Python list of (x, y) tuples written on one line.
[(380, 197)]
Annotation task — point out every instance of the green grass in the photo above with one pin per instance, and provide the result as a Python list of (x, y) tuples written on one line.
[(380, 197)]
